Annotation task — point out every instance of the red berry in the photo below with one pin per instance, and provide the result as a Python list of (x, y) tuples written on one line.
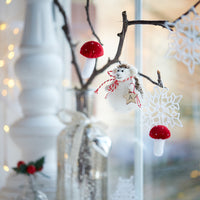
[(31, 169), (20, 163)]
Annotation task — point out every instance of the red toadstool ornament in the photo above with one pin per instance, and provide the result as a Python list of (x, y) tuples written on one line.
[(91, 50), (159, 133)]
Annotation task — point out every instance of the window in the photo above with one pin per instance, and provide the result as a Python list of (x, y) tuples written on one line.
[(175, 175)]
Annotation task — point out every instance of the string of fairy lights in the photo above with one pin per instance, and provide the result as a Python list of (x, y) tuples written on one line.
[(9, 37)]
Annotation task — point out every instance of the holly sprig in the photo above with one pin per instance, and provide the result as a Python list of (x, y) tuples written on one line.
[(30, 168)]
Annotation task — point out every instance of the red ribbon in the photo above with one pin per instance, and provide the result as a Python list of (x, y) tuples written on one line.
[(114, 85)]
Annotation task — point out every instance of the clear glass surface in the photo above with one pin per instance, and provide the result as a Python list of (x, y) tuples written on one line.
[(82, 171)]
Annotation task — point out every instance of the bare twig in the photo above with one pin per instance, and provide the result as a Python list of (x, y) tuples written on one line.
[(117, 55), (62, 11), (121, 35), (194, 6), (161, 23), (90, 23), (159, 79), (69, 39), (149, 22), (159, 83)]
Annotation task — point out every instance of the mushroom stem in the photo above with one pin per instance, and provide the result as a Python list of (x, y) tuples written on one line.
[(88, 68), (159, 147)]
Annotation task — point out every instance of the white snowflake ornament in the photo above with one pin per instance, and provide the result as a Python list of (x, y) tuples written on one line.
[(161, 108), (185, 40), (125, 189)]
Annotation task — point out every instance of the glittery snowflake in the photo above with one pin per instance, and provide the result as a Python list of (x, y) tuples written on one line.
[(125, 189), (185, 40), (161, 108)]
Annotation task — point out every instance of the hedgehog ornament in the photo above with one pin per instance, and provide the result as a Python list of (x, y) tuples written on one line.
[(124, 92)]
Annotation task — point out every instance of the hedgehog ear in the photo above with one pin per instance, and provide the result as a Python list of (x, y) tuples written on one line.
[(133, 71), (114, 71)]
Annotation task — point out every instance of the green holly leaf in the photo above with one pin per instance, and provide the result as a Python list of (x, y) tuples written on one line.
[(16, 169), (22, 169), (39, 163)]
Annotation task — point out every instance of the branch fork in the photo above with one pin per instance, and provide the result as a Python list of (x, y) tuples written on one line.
[(121, 35)]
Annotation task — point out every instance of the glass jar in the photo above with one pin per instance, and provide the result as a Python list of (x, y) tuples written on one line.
[(31, 192), (82, 151)]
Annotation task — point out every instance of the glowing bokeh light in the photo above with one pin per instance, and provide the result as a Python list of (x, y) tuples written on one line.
[(3, 26), (194, 174), (4, 92), (11, 47), (6, 168), (8, 1), (2, 63), (11, 55), (6, 128), (11, 83), (15, 31)]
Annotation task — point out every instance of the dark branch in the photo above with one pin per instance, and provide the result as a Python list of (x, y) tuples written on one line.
[(161, 23), (90, 23), (62, 11), (148, 78), (159, 83), (69, 39), (121, 35), (117, 55), (194, 6), (148, 22)]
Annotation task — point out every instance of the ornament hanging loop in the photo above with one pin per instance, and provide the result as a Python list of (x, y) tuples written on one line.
[(160, 83), (193, 10)]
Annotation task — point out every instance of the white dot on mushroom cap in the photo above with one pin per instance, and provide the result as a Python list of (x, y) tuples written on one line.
[(92, 51), (92, 43), (162, 127), (85, 49)]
